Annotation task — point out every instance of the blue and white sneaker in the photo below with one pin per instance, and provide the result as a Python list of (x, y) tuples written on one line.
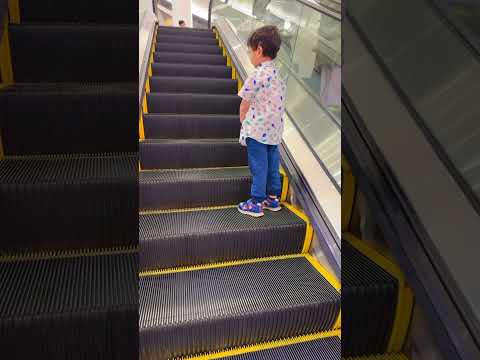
[(272, 204), (251, 208)]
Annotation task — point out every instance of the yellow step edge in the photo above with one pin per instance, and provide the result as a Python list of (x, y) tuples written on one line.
[(63, 254), (6, 69), (309, 228), (405, 300), (218, 265), (202, 208), (266, 346), (332, 280), (14, 11)]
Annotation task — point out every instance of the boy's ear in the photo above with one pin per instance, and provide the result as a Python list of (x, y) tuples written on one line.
[(259, 50)]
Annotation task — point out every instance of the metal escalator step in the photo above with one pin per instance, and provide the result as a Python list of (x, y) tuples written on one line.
[(176, 189), (193, 311), (185, 58), (328, 348), (83, 307), (188, 48), (168, 30), (191, 153), (190, 126), (211, 71), (86, 11), (50, 118), (179, 103), (68, 202), (183, 238), (177, 84), (379, 357), (181, 39), (370, 294), (74, 53)]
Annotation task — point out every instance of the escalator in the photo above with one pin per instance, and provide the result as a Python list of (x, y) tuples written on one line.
[(377, 301), (68, 180), (215, 283)]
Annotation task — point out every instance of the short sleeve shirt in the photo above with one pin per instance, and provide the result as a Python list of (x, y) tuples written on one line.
[(264, 89)]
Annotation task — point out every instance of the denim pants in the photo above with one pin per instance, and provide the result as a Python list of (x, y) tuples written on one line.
[(264, 164)]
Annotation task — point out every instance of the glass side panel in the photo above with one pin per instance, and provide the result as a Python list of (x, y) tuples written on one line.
[(310, 62)]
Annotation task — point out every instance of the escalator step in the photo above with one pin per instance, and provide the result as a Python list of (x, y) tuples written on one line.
[(188, 48), (68, 202), (83, 307), (175, 31), (200, 310), (211, 71), (191, 153), (175, 39), (193, 103), (177, 84), (74, 53), (370, 294), (176, 189), (85, 11), (183, 238), (194, 59), (50, 118), (191, 126), (328, 348)]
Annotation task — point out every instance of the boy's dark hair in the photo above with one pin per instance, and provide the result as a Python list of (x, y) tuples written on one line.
[(268, 38), (181, 22)]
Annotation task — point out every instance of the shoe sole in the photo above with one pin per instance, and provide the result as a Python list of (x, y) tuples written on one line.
[(250, 213), (273, 209)]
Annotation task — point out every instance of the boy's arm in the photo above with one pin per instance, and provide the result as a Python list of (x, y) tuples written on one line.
[(244, 106), (247, 92)]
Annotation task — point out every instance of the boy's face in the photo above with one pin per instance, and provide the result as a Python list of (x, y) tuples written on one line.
[(256, 56)]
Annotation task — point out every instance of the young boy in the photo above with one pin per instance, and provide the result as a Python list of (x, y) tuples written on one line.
[(261, 115)]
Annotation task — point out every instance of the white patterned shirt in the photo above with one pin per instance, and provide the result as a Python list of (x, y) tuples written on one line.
[(265, 91)]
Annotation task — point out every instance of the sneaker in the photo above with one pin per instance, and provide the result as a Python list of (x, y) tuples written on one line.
[(251, 208), (272, 204)]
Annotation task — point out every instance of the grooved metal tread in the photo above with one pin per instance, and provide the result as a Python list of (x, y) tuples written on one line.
[(184, 84), (188, 48), (329, 348), (50, 118), (193, 175), (198, 311), (69, 169), (200, 70), (191, 126), (73, 300), (371, 295), (187, 188), (179, 39), (175, 239), (208, 221)]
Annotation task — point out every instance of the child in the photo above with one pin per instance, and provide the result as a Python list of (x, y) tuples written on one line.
[(261, 115)]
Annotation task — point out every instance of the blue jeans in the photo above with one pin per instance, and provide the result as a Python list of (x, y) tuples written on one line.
[(264, 164)]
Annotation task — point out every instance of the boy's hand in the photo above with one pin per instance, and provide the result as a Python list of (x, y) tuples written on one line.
[(244, 106)]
